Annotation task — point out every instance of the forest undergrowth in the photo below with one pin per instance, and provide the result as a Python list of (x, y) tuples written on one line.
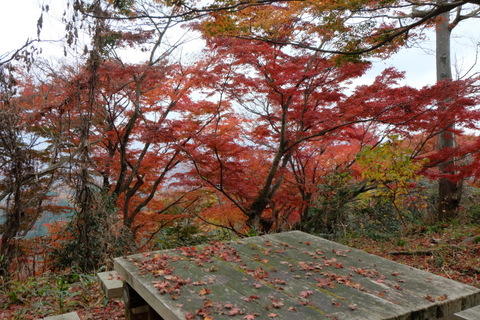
[(450, 250)]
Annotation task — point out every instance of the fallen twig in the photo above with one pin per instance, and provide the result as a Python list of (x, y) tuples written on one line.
[(424, 252)]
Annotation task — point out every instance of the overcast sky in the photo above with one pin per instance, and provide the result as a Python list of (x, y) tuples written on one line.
[(18, 22)]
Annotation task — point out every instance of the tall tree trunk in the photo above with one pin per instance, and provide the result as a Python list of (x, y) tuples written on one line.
[(90, 218), (449, 192)]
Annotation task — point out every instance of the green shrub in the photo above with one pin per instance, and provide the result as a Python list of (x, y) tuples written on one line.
[(186, 233)]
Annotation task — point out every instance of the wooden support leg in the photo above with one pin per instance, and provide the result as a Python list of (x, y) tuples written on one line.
[(135, 307), (153, 315)]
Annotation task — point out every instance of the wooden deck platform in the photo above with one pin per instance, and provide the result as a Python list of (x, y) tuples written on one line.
[(290, 275)]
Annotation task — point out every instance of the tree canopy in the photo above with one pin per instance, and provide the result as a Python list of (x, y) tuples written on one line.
[(261, 131)]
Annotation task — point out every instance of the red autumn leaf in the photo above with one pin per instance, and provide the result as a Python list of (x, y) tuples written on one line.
[(322, 283), (442, 297), (306, 294), (234, 311), (208, 304), (204, 291), (162, 286)]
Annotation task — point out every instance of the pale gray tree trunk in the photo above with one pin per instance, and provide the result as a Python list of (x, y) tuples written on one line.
[(449, 192)]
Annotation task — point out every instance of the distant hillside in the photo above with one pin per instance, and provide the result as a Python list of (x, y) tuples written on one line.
[(39, 229)]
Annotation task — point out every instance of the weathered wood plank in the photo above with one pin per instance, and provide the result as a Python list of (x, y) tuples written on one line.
[(230, 290), (338, 295), (285, 276), (418, 288)]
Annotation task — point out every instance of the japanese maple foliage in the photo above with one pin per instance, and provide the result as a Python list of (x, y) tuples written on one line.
[(28, 170), (141, 116), (148, 116), (293, 100), (347, 28)]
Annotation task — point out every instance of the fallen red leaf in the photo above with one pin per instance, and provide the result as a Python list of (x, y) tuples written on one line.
[(306, 294), (204, 291)]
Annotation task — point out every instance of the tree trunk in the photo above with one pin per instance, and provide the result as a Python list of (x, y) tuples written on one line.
[(255, 220), (449, 191)]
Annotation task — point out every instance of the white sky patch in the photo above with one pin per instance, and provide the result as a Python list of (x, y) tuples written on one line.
[(419, 62), (18, 23), (19, 20)]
